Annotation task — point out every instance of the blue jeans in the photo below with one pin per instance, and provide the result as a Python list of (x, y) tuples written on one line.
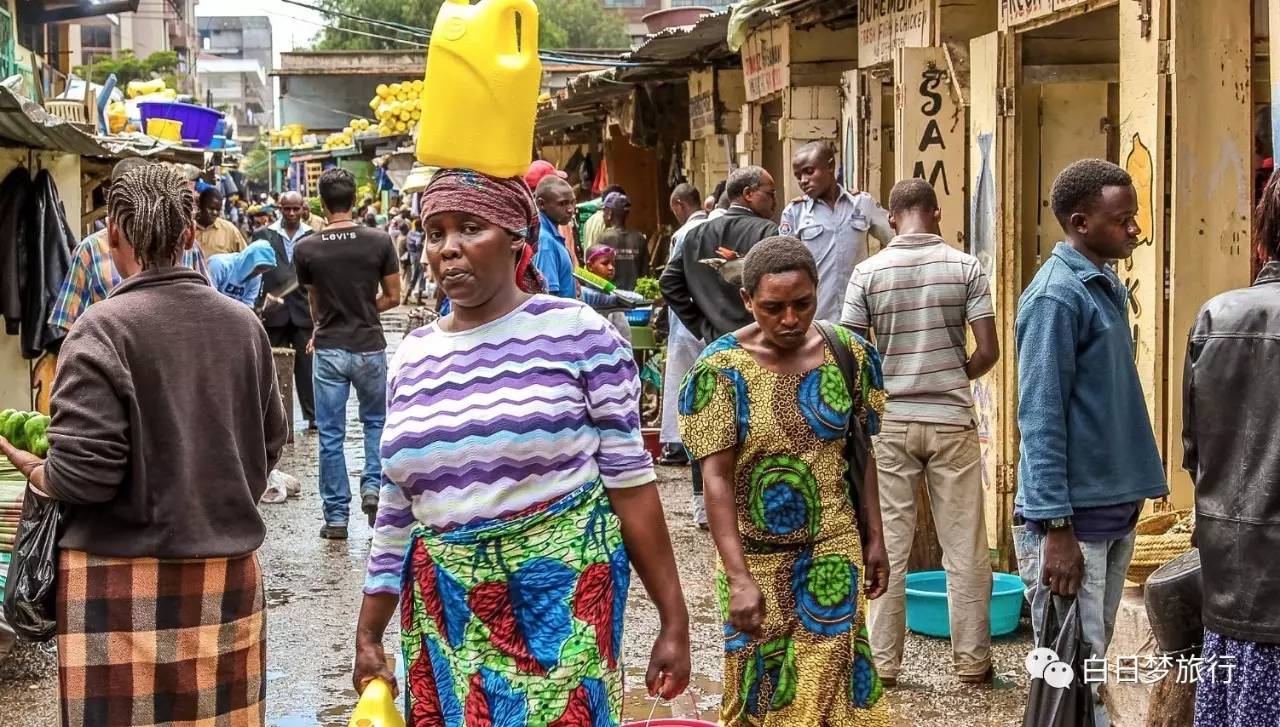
[(1105, 563), (336, 371)]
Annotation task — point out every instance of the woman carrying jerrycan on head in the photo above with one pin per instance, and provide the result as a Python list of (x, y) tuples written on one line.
[(518, 494)]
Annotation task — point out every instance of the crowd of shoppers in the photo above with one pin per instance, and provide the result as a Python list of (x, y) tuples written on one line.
[(505, 475)]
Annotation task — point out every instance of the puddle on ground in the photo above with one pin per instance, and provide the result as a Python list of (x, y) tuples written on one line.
[(278, 597), (700, 701), (329, 717)]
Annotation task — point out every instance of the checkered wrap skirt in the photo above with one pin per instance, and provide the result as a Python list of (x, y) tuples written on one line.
[(149, 642)]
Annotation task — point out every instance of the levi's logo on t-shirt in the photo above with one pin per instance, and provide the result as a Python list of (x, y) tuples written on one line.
[(338, 236)]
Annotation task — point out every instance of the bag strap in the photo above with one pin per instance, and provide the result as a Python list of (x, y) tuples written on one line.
[(844, 357), (856, 449)]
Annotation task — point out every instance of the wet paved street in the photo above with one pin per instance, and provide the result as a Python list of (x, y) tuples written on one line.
[(313, 596)]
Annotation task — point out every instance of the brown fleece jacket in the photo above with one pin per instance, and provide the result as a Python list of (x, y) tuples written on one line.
[(166, 421)]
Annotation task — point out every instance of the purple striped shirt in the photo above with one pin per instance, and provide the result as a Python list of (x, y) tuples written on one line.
[(492, 421)]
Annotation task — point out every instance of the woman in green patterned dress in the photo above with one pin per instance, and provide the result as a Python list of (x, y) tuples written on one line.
[(766, 410)]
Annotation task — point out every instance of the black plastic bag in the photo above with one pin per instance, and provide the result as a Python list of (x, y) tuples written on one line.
[(31, 591), (1069, 705)]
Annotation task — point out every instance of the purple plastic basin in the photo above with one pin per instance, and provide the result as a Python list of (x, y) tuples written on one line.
[(198, 122)]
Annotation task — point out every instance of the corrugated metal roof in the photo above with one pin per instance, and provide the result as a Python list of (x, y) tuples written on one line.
[(25, 123), (692, 44)]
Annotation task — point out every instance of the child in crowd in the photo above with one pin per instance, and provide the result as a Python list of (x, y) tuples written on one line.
[(600, 261)]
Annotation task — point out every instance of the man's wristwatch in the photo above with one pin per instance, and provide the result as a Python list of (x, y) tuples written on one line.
[(1057, 523)]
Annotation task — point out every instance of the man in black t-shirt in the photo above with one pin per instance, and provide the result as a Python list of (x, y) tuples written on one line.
[(351, 275)]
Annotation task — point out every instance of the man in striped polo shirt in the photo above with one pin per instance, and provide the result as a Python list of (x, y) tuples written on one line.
[(917, 295)]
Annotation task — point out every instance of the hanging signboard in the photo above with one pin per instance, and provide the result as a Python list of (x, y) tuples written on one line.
[(1016, 12), (702, 104), (766, 63), (932, 127), (885, 25)]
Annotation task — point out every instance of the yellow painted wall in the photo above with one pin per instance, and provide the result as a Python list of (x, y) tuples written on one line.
[(1210, 186)]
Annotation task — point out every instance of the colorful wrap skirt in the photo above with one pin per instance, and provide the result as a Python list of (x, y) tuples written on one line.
[(151, 642), (518, 621), (811, 662), (1237, 683)]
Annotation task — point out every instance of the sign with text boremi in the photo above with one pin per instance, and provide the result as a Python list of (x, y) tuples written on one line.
[(932, 130), (766, 61), (885, 25)]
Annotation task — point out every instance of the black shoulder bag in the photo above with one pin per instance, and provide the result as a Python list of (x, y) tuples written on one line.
[(857, 449)]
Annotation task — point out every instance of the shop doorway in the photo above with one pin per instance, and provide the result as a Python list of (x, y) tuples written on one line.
[(771, 155), (1068, 110)]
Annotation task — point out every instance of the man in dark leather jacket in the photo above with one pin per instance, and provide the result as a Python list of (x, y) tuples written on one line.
[(286, 313), (1231, 415)]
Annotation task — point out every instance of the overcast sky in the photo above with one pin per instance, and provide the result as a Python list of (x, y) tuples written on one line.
[(291, 26)]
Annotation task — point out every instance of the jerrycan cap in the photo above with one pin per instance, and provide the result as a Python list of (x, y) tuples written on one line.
[(453, 28)]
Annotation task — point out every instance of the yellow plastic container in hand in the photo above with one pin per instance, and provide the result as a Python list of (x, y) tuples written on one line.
[(480, 94), (377, 707)]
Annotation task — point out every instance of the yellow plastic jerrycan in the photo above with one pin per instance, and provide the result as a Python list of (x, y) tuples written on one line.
[(480, 94), (377, 707)]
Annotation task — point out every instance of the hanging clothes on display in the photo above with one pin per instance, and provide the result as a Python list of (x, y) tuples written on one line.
[(13, 203), (47, 244)]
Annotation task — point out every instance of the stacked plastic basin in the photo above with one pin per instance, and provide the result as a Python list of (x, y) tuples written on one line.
[(199, 123)]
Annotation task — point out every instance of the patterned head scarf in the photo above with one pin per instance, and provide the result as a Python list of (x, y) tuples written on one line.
[(507, 203), (598, 251)]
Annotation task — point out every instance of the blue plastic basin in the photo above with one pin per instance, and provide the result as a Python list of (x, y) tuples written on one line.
[(927, 603), (639, 316), (198, 122)]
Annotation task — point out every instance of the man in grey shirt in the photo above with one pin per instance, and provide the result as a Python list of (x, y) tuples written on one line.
[(918, 295)]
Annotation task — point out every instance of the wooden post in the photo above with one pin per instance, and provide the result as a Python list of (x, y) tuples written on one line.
[(1211, 183), (284, 359), (1144, 105), (990, 115)]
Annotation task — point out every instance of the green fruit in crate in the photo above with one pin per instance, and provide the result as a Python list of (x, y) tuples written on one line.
[(37, 435)]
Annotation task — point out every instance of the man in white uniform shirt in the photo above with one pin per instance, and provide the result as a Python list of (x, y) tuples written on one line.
[(832, 222)]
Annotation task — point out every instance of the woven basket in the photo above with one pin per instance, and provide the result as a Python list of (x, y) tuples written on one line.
[(1154, 546)]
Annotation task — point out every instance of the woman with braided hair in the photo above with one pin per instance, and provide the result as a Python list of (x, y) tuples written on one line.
[(517, 493), (160, 605)]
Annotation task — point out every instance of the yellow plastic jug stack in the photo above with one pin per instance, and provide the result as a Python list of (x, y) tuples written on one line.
[(480, 95), (377, 707)]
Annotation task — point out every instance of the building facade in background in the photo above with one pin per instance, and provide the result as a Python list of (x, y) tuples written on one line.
[(234, 69), (157, 25), (239, 37)]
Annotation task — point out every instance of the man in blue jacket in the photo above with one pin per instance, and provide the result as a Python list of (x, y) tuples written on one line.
[(555, 207), (1089, 458)]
